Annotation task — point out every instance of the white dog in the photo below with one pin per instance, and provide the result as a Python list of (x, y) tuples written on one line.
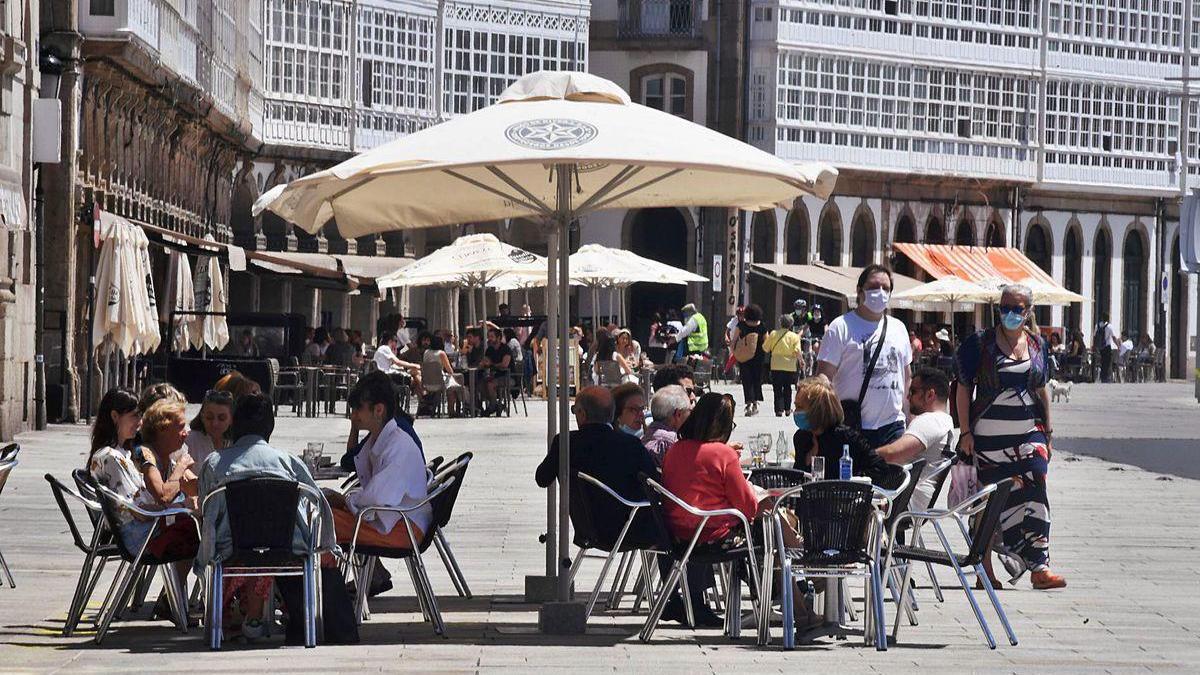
[(1059, 390)]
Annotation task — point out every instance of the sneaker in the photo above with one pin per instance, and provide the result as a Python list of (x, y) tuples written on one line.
[(253, 629)]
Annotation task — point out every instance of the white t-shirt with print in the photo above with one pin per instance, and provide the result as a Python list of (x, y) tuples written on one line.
[(932, 430), (848, 344)]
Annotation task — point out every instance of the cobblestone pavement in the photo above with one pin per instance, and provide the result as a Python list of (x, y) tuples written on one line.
[(1124, 537)]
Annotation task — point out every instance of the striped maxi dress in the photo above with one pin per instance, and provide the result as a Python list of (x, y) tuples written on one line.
[(1010, 443)]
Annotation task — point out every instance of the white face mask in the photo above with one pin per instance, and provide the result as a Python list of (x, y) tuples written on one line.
[(876, 300)]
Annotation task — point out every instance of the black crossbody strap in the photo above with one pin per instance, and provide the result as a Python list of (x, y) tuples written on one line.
[(862, 394)]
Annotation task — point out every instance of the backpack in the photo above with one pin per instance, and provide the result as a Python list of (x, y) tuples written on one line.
[(746, 347)]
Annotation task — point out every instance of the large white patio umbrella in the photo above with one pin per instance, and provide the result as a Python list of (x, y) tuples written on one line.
[(186, 328), (215, 326), (595, 267), (557, 146), (1049, 294), (471, 261), (960, 294), (125, 319)]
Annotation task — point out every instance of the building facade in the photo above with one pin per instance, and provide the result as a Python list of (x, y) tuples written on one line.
[(159, 101), (19, 83), (342, 77), (1054, 126)]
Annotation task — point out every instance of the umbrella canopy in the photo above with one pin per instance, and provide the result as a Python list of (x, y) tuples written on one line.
[(557, 146), (126, 317), (959, 293), (596, 265), (496, 163), (216, 328), (662, 273), (472, 261), (187, 331), (1046, 293)]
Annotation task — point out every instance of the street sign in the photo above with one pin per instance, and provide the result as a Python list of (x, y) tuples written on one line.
[(717, 272), (1189, 233), (1166, 289)]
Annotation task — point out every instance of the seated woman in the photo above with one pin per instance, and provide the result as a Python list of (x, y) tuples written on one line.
[(391, 469), (819, 419), (431, 352), (628, 355), (210, 427), (133, 473), (703, 470)]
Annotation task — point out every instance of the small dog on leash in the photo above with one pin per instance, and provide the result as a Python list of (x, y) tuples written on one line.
[(1059, 390)]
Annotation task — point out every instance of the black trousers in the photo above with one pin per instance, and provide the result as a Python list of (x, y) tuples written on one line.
[(781, 382), (752, 375), (1106, 364)]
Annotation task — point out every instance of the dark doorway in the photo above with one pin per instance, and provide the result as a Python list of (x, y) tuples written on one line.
[(1037, 249), (1073, 278), (1179, 315), (862, 240), (906, 233), (658, 234), (935, 231), (762, 249), (831, 238), (797, 237), (995, 235), (1102, 276), (965, 234), (1133, 286)]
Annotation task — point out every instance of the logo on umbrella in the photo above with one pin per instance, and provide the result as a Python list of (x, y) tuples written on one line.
[(550, 134), (521, 256)]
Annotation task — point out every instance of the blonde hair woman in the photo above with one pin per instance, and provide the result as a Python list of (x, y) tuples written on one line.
[(820, 431)]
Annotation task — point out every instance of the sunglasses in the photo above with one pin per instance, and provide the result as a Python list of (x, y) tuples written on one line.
[(1005, 309), (217, 396)]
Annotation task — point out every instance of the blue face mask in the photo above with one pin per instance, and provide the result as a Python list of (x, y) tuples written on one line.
[(1012, 320), (636, 433), (800, 417)]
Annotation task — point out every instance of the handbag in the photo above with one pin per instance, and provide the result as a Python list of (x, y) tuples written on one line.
[(852, 409), (746, 347)]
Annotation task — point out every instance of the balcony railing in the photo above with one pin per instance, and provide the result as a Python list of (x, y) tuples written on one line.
[(659, 18)]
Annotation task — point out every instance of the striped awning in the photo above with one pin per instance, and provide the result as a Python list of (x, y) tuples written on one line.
[(973, 263)]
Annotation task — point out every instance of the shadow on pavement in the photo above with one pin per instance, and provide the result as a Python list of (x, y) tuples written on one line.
[(1174, 456)]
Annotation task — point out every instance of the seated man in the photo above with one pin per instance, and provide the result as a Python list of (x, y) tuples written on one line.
[(391, 469), (612, 457), (669, 409), (930, 433), (250, 456), (404, 373), (497, 359)]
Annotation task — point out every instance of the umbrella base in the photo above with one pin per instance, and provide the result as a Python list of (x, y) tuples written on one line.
[(539, 589), (563, 618)]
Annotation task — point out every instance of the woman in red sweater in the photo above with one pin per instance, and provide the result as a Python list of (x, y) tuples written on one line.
[(704, 471)]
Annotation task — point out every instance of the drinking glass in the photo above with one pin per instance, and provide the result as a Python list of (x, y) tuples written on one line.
[(818, 468), (753, 446), (312, 455), (764, 444)]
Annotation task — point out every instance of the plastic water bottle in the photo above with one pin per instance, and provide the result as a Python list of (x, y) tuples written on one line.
[(845, 464), (781, 448)]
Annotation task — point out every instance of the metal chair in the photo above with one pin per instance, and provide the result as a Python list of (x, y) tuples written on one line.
[(938, 473), (987, 506), (363, 557), (839, 538), (516, 388), (262, 513), (133, 563), (681, 552), (702, 375), (433, 381), (286, 380), (588, 536), (457, 469), (770, 478), (609, 372), (8, 461), (97, 550)]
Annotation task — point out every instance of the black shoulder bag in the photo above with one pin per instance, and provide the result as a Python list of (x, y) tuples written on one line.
[(853, 409)]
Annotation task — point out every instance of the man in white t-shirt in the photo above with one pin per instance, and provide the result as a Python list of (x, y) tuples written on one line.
[(850, 341), (929, 433)]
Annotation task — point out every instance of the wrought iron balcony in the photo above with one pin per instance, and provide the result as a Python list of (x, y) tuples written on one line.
[(659, 18)]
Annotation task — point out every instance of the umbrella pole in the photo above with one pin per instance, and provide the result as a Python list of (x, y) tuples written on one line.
[(564, 444), (595, 308), (471, 306), (550, 380)]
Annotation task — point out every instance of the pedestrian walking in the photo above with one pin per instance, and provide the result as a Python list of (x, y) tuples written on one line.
[(748, 350), (783, 346)]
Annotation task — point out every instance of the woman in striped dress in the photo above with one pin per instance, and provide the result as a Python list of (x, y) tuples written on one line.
[(1004, 414)]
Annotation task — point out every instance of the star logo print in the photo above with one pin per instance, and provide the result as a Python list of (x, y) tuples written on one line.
[(550, 134)]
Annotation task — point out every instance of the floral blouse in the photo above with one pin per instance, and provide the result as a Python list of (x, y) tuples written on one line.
[(115, 469)]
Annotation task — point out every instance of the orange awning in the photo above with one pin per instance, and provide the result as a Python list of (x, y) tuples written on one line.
[(973, 263)]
